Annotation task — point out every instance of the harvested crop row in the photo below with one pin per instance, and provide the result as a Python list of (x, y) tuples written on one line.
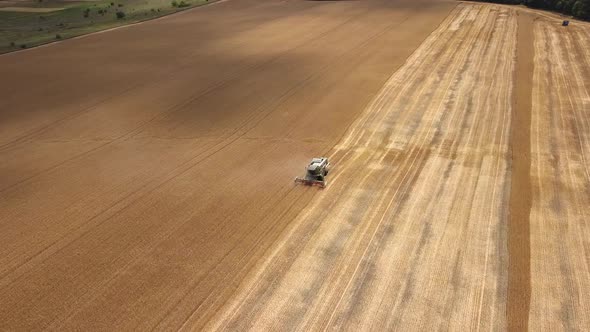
[(560, 144)]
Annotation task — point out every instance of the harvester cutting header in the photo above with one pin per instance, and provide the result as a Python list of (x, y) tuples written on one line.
[(315, 173)]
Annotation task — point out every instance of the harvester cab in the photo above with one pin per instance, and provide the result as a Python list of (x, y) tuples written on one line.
[(315, 173)]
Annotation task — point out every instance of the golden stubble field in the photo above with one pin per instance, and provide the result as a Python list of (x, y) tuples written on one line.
[(146, 173)]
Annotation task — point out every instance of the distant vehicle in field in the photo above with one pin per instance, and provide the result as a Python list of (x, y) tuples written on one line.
[(565, 23), (315, 173)]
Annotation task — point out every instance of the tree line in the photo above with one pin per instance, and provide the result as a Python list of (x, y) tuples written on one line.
[(577, 8)]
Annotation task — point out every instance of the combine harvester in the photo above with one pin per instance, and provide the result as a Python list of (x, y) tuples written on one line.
[(315, 173)]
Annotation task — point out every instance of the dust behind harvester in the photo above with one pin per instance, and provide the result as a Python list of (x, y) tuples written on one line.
[(315, 173)]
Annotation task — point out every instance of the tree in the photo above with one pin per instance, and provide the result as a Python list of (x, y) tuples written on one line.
[(581, 9)]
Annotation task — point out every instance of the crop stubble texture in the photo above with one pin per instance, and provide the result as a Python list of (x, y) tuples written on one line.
[(137, 190), (560, 215)]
